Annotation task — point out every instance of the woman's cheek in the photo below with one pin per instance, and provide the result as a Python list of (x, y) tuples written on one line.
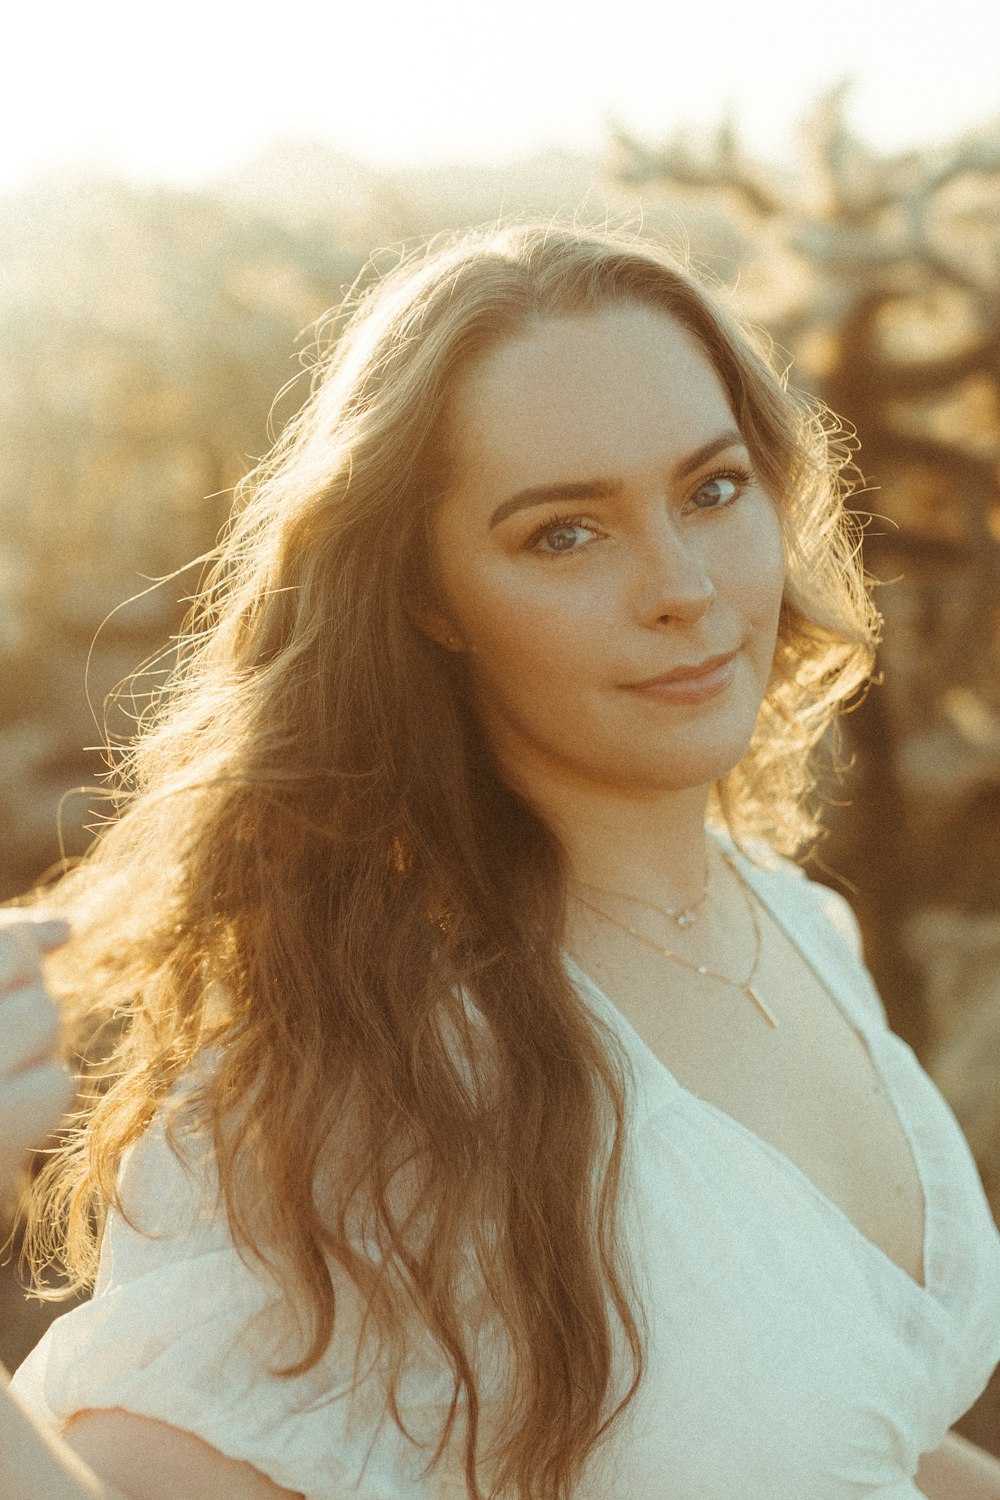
[(536, 641), (534, 607), (757, 562)]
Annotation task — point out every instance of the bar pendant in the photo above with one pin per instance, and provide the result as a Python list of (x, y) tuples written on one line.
[(752, 994)]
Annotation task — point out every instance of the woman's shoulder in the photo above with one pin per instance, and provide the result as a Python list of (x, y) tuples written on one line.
[(819, 917), (168, 1190), (786, 878)]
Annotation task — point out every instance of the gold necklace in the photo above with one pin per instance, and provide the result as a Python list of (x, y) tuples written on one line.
[(746, 985), (684, 916)]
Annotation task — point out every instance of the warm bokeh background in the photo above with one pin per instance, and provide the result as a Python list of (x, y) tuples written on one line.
[(144, 332)]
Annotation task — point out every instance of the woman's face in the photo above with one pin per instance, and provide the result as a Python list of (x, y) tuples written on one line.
[(665, 559)]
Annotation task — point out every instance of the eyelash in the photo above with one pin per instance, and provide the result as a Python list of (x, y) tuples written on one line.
[(743, 475)]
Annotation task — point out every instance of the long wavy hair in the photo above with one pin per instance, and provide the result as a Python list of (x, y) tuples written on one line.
[(316, 876)]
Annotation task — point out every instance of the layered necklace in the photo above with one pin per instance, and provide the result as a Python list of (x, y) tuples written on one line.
[(686, 916)]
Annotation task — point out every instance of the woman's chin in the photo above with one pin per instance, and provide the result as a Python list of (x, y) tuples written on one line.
[(627, 758), (683, 767), (648, 776)]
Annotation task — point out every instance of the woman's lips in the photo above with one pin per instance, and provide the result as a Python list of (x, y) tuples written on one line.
[(689, 687)]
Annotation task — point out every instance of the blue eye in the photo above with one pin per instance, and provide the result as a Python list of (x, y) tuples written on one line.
[(561, 539), (559, 536), (721, 489)]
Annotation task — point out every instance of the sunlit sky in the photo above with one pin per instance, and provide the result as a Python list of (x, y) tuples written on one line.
[(195, 89)]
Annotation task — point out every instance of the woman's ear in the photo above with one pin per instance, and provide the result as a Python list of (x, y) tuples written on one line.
[(434, 625)]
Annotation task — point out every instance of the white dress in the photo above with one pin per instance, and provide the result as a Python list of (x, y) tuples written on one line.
[(789, 1357)]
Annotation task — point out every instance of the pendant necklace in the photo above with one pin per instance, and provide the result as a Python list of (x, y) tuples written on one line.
[(684, 916), (745, 985)]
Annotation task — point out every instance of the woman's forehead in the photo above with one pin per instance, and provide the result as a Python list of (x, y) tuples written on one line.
[(592, 389)]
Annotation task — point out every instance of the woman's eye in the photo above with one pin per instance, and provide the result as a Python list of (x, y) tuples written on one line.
[(561, 538), (719, 490)]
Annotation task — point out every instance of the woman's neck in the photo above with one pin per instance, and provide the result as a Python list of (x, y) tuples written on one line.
[(648, 843)]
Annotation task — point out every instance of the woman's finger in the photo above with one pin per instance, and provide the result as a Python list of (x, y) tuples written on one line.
[(20, 957), (29, 1028), (50, 932), (47, 927), (22, 944), (31, 1106)]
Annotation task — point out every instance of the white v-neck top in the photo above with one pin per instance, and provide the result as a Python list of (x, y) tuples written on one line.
[(789, 1358), (792, 1358)]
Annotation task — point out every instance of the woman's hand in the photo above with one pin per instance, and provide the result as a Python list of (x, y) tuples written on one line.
[(36, 1087)]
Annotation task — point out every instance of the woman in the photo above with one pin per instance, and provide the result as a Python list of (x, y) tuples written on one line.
[(493, 1110)]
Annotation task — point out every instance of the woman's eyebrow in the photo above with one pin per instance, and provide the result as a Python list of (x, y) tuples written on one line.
[(607, 489)]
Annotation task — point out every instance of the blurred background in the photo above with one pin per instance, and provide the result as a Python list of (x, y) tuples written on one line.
[(184, 194)]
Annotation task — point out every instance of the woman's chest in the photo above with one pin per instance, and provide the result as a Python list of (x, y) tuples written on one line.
[(808, 1088)]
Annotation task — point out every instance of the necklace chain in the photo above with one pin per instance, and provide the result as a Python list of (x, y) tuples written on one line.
[(746, 985), (684, 916)]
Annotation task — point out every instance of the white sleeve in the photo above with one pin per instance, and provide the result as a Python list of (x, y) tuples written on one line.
[(838, 910), (838, 931), (181, 1329), (828, 925)]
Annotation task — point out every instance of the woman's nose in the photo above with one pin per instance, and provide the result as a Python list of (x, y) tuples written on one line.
[(672, 580)]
